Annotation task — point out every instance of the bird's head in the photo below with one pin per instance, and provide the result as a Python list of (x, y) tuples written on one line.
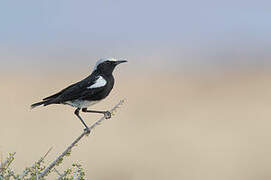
[(107, 65)]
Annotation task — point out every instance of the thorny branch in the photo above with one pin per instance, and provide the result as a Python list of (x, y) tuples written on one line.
[(7, 162), (39, 162), (69, 148)]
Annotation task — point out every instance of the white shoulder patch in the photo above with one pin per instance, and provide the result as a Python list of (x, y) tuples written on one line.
[(100, 82)]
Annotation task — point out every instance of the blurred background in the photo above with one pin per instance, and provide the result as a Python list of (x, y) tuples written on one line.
[(197, 86)]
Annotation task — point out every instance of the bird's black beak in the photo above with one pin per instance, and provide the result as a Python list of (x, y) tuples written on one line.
[(120, 61)]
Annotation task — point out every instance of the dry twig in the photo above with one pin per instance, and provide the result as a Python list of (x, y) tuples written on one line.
[(39, 162), (69, 148), (7, 162)]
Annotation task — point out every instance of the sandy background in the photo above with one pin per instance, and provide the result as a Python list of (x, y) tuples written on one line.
[(174, 126), (197, 86)]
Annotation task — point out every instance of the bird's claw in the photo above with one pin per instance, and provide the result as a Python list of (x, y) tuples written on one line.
[(107, 115), (87, 130)]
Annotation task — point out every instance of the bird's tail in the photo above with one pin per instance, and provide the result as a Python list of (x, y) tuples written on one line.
[(45, 103)]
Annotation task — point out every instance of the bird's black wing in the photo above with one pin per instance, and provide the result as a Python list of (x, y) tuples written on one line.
[(78, 90), (60, 92)]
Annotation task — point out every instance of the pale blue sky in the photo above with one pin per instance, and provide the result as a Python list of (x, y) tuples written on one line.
[(36, 33)]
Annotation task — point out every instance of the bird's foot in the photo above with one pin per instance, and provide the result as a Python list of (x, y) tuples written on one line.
[(87, 130), (107, 115)]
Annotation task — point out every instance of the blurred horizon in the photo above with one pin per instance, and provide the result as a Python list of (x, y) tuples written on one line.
[(173, 33), (197, 83)]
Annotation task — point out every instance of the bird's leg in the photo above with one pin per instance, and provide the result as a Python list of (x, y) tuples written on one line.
[(106, 114), (76, 112)]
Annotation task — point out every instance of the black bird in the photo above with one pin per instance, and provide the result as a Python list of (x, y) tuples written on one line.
[(87, 92)]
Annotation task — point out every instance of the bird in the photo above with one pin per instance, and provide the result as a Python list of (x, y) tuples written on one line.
[(88, 91)]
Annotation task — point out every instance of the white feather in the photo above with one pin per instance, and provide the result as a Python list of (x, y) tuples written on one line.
[(100, 82)]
